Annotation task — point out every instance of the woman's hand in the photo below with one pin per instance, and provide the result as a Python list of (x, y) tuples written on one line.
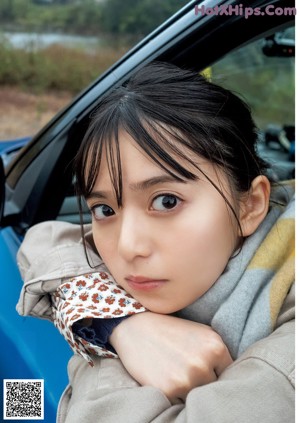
[(169, 353)]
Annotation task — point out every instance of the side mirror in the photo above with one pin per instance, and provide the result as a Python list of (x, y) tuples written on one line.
[(2, 188)]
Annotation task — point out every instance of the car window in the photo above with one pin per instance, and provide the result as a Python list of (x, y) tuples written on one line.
[(265, 81), (263, 74), (84, 37)]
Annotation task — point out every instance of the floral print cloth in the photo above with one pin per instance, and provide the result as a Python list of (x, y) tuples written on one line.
[(90, 296)]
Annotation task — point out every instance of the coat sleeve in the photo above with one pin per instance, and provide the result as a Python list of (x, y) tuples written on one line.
[(51, 252), (258, 387)]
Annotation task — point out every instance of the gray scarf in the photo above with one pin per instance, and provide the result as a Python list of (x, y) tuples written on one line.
[(243, 304)]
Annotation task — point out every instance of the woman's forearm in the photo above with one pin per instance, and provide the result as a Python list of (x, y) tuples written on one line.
[(169, 353), (256, 387)]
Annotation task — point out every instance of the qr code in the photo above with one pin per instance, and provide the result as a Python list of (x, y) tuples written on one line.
[(23, 399)]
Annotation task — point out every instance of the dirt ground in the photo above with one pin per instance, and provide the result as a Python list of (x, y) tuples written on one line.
[(23, 114)]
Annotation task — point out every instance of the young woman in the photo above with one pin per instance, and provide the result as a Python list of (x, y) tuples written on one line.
[(195, 243)]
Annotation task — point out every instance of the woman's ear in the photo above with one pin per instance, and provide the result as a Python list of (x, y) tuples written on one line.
[(255, 205)]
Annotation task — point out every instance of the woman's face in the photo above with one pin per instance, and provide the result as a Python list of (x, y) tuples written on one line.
[(170, 240)]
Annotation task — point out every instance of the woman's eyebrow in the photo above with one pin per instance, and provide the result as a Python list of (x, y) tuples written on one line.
[(100, 195), (138, 186), (156, 180)]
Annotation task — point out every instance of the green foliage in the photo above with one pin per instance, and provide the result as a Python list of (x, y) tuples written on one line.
[(88, 16), (69, 16), (53, 68), (62, 68), (140, 18), (13, 10)]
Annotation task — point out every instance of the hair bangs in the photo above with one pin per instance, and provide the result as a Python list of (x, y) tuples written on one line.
[(159, 142)]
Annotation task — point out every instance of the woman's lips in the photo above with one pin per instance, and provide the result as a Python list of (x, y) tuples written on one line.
[(141, 283)]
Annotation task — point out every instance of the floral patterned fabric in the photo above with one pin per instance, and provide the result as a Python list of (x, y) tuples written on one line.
[(90, 296)]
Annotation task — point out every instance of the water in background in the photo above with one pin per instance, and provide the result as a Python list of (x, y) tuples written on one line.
[(32, 41)]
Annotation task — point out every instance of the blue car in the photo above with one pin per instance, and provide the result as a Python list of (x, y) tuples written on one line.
[(9, 148), (252, 55)]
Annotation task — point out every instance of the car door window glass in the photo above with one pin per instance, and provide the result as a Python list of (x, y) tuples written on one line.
[(263, 74)]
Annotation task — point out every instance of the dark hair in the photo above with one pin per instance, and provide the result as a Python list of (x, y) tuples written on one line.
[(162, 103)]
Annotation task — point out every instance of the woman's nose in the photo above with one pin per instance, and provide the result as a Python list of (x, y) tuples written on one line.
[(134, 237)]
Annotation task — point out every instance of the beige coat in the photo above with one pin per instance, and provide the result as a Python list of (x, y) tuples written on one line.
[(257, 388)]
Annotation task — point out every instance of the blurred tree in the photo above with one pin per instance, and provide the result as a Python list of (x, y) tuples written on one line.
[(137, 18), (85, 17), (120, 17), (11, 10)]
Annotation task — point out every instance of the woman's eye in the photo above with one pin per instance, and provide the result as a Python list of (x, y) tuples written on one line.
[(165, 202), (102, 211)]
